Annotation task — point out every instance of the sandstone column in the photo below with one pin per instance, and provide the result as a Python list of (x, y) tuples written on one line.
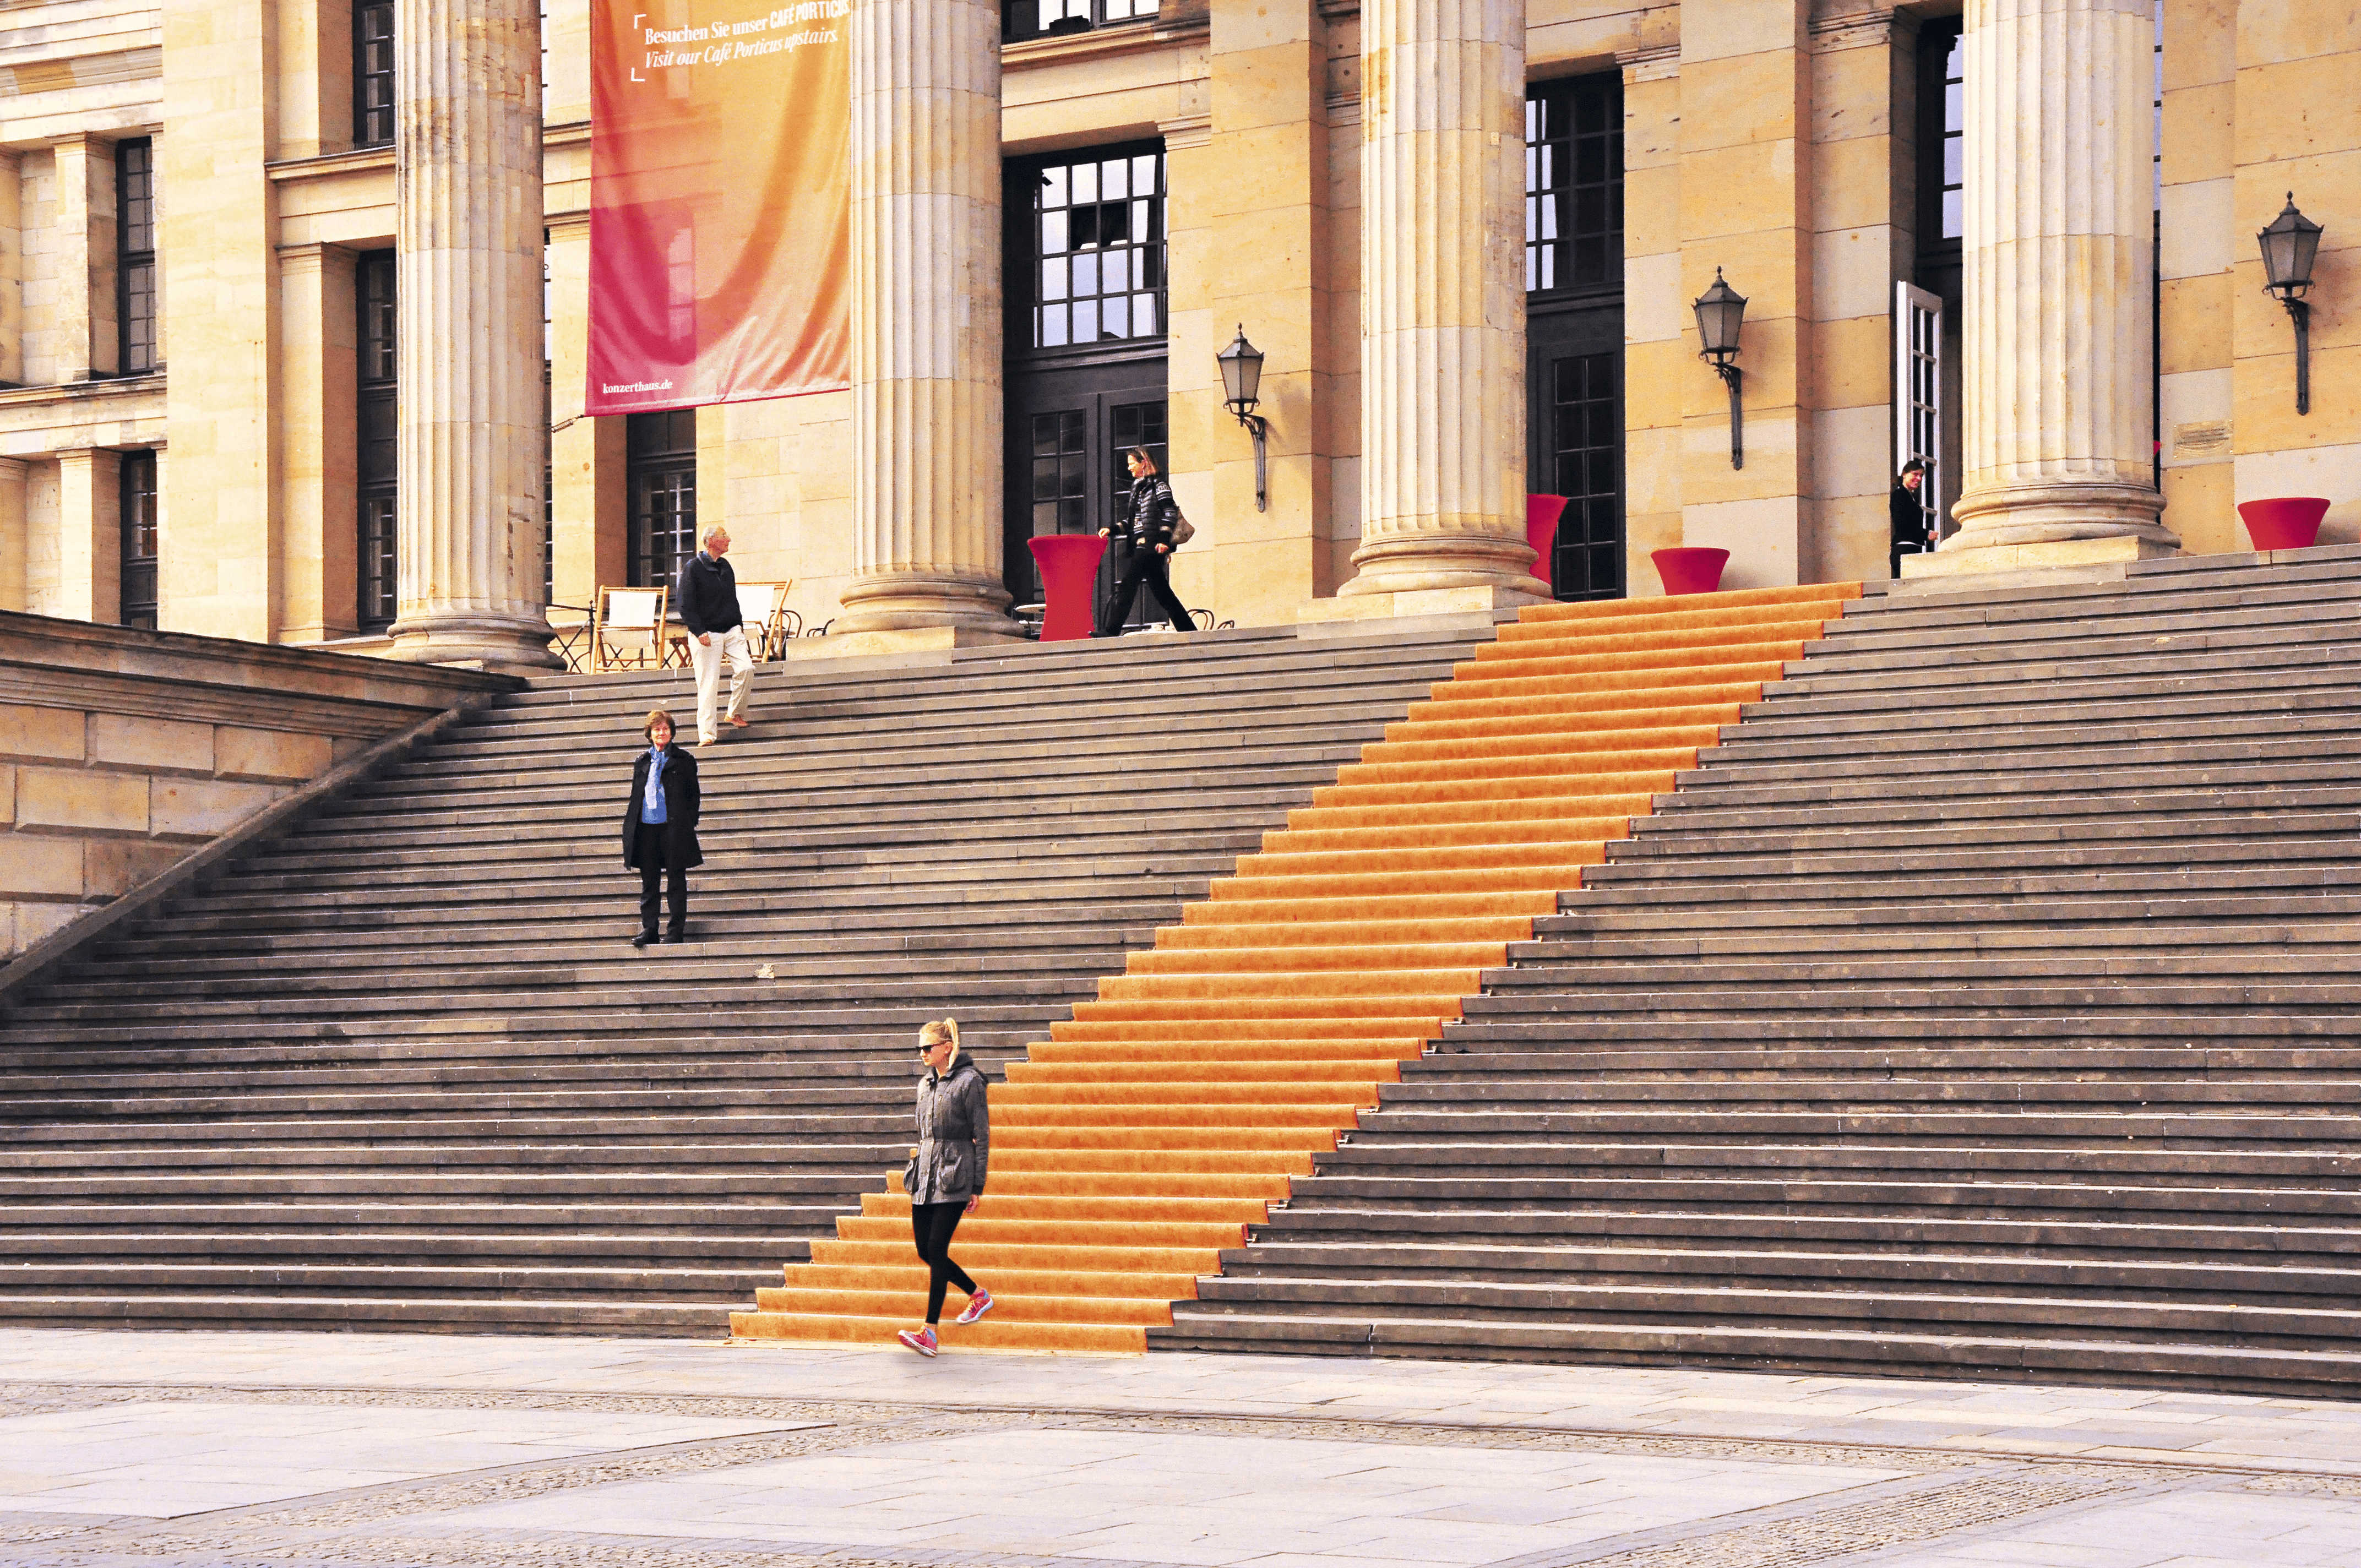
[(86, 332), (1442, 312), (927, 491), (467, 223), (2060, 464), (90, 535)]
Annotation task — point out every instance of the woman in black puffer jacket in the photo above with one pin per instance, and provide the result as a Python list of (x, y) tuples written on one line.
[(1148, 536), (945, 1175)]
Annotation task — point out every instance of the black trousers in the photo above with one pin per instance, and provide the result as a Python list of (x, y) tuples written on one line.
[(652, 866), (931, 1226), (1146, 566)]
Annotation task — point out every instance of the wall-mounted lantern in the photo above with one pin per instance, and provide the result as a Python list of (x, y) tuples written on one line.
[(1241, 365), (2289, 247), (1721, 311)]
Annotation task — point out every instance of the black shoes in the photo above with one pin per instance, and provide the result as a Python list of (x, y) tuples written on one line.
[(644, 939)]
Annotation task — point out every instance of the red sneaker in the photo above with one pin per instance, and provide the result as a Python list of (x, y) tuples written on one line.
[(923, 1342), (977, 1306)]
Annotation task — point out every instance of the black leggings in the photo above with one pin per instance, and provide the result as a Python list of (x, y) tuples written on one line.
[(931, 1226), (1146, 566)]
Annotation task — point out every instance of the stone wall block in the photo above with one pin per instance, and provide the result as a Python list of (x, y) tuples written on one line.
[(113, 867), (270, 756), (160, 745), (63, 800), (32, 866), (42, 734), (201, 808)]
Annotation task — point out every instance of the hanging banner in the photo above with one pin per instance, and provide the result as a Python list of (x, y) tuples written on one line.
[(720, 201)]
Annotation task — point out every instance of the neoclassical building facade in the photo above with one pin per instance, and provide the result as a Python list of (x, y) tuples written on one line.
[(293, 295)]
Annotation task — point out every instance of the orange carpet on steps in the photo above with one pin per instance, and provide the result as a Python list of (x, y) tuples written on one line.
[(1143, 1137)]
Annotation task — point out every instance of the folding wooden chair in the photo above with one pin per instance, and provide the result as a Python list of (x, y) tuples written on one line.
[(765, 606), (627, 630)]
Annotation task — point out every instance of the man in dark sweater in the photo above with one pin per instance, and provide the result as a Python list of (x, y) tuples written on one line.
[(1909, 514), (707, 596)]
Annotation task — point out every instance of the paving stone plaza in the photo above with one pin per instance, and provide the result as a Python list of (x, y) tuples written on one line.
[(292, 1448)]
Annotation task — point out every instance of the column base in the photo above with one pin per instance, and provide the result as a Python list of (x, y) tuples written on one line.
[(1486, 600), (919, 601), (1436, 563), (897, 641), (511, 644), (2037, 555)]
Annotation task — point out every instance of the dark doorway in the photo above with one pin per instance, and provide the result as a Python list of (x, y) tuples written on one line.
[(1086, 343), (1574, 302), (661, 477), (377, 399), (138, 519)]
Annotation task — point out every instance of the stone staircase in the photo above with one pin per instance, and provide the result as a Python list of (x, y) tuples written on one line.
[(399, 1068), (1985, 1005), (1146, 1134)]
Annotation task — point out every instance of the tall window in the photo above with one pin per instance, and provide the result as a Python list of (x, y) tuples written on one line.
[(1098, 262), (661, 474), (135, 254), (139, 538), (1574, 302), (376, 405), (373, 73), (1942, 136), (548, 403), (1038, 19)]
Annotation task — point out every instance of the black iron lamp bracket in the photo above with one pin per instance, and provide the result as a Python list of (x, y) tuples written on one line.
[(1735, 379), (1260, 428)]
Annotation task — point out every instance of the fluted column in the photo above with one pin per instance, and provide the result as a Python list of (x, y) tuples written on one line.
[(467, 223), (1442, 312), (926, 318), (2059, 461)]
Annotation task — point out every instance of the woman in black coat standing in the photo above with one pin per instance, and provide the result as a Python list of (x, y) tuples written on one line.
[(660, 826)]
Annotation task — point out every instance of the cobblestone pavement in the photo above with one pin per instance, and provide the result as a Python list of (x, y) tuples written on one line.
[(287, 1450)]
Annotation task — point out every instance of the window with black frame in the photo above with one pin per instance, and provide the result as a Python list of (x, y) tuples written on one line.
[(373, 83), (138, 518), (1054, 18), (135, 255), (1098, 227), (1573, 282), (662, 479), (375, 400)]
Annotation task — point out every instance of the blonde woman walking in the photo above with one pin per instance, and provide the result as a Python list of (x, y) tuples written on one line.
[(945, 1175)]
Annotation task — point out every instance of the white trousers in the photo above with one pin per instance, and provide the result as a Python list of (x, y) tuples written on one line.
[(707, 658)]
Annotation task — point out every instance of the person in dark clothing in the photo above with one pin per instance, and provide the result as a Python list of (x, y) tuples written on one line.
[(1909, 515), (706, 598), (1148, 537), (945, 1175), (660, 826)]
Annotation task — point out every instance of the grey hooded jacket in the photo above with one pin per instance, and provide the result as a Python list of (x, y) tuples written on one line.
[(954, 1136)]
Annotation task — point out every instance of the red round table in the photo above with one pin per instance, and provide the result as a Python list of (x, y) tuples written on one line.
[(1069, 574)]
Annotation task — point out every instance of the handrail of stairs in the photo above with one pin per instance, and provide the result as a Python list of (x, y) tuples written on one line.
[(35, 961)]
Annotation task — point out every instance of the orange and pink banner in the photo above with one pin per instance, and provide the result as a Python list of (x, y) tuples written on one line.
[(720, 201)]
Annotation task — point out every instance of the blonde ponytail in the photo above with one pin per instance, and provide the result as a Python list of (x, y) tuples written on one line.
[(937, 1033)]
